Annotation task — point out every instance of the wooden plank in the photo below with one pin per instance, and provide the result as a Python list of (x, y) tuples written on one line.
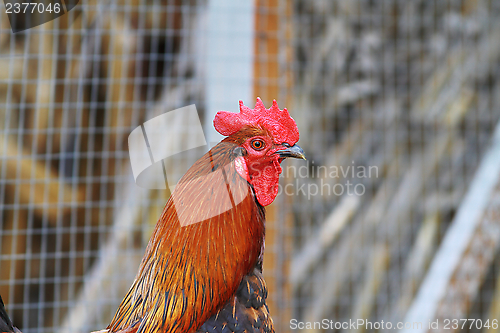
[(315, 247), (416, 265), (473, 266), (270, 81), (39, 186), (450, 259), (367, 296)]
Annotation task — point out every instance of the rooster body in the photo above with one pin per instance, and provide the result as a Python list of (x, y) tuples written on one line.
[(189, 272)]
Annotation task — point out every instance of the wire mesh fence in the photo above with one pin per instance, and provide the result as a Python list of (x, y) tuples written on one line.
[(409, 89), (398, 107), (72, 91)]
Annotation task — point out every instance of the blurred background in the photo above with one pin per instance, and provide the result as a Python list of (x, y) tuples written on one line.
[(395, 216)]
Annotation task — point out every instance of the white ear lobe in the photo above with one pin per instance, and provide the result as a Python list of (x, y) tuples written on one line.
[(241, 168)]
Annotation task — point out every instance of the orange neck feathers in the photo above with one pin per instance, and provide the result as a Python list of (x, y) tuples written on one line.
[(209, 236)]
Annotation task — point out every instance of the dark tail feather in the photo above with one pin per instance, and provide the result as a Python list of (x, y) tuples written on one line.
[(5, 322)]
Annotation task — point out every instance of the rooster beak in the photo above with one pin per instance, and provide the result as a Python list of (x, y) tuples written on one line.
[(294, 151)]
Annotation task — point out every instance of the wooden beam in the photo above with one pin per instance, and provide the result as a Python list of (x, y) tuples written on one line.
[(451, 265), (269, 81)]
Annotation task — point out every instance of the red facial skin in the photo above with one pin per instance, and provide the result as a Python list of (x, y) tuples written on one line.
[(262, 167)]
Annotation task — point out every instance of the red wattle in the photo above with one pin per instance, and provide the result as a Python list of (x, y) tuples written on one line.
[(266, 183)]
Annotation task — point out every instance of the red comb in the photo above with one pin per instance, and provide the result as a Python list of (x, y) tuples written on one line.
[(282, 127)]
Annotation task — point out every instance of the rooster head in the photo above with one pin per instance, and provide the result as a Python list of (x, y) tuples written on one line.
[(264, 138)]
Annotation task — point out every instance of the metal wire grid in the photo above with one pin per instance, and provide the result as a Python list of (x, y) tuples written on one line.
[(411, 88), (393, 84), (72, 90)]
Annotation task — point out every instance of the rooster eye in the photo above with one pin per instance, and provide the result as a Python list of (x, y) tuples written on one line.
[(257, 144)]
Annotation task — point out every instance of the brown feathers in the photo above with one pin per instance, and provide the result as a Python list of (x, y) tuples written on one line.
[(208, 238)]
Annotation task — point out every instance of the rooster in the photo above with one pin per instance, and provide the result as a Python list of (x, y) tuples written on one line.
[(202, 270)]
